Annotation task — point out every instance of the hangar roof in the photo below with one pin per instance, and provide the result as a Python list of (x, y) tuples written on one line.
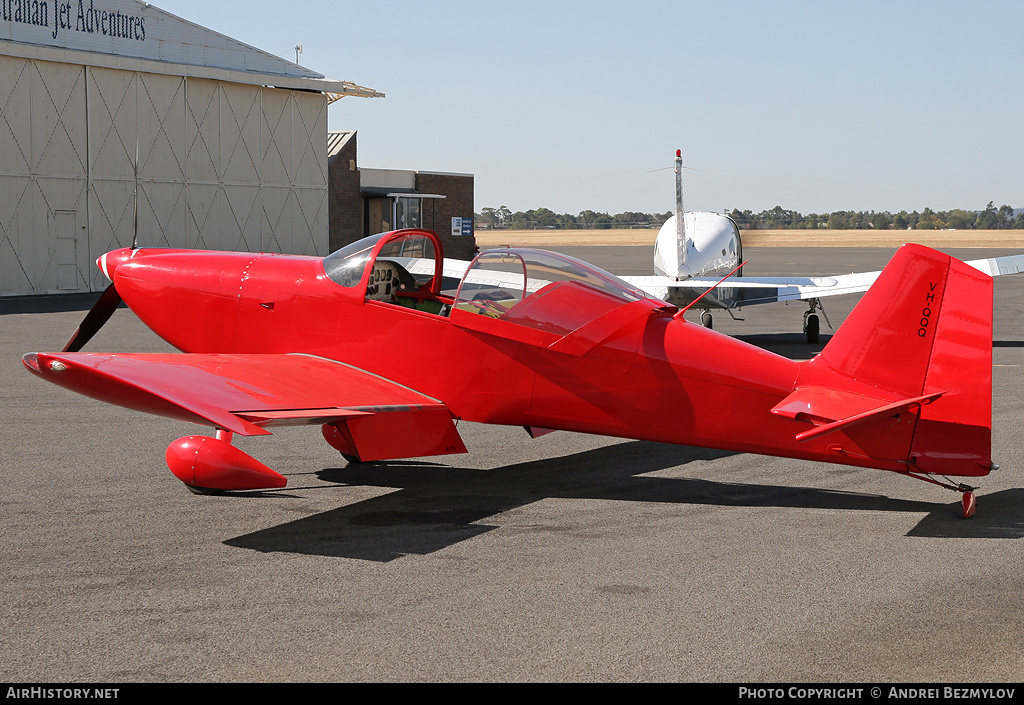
[(135, 35), (336, 141)]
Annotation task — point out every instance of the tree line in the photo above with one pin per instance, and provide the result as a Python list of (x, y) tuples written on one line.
[(505, 219), (777, 218)]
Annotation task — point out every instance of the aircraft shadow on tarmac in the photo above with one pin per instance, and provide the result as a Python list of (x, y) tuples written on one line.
[(796, 347), (1000, 516), (439, 506), (791, 345)]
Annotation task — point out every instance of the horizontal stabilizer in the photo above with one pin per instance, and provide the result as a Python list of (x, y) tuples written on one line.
[(823, 405), (892, 409)]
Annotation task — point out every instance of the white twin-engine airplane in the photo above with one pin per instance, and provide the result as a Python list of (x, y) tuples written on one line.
[(695, 250)]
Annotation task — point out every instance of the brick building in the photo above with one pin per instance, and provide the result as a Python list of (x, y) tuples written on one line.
[(362, 201)]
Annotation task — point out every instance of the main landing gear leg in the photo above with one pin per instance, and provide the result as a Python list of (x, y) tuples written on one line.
[(812, 326)]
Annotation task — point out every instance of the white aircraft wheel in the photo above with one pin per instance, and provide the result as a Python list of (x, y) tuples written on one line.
[(705, 319), (812, 329)]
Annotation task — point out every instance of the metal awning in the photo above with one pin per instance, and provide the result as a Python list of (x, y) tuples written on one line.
[(349, 88), (391, 192)]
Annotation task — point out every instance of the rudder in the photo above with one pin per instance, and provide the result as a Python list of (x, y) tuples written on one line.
[(954, 435)]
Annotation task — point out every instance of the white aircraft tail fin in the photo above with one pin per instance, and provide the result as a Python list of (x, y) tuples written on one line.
[(681, 243)]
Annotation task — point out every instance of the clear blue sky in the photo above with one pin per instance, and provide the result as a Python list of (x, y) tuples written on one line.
[(815, 106)]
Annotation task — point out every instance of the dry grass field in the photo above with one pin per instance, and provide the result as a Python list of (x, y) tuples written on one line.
[(763, 238)]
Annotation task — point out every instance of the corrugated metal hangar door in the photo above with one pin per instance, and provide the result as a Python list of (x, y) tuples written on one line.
[(220, 166), (43, 177)]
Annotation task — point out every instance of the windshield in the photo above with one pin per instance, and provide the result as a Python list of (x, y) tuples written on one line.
[(415, 253), (346, 266)]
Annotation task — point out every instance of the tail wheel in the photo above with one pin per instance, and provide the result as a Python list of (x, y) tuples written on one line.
[(969, 504)]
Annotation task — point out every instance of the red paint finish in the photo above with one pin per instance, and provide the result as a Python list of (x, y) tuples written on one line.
[(540, 340), (399, 433), (213, 464), (969, 504)]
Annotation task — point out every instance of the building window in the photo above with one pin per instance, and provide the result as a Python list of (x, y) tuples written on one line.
[(394, 213), (408, 213)]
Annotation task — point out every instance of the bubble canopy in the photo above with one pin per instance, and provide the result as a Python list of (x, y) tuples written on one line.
[(547, 292), (542, 290)]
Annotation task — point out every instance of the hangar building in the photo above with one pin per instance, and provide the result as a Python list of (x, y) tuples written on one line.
[(224, 143)]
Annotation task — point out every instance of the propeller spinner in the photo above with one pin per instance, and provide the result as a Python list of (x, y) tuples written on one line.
[(105, 306)]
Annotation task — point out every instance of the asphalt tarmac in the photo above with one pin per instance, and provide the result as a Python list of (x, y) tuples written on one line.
[(566, 558)]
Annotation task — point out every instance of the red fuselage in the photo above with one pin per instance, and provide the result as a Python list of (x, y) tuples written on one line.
[(655, 377)]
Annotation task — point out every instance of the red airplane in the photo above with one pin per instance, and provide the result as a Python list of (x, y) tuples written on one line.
[(387, 362)]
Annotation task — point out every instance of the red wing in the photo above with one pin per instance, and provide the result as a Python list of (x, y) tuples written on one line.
[(240, 393)]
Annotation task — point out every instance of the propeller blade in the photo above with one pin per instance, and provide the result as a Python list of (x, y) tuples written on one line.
[(135, 199), (100, 312)]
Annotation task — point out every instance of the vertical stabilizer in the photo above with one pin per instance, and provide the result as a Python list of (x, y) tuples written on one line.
[(923, 331), (680, 213)]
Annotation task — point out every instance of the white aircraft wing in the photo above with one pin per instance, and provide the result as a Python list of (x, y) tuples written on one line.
[(995, 266), (453, 268), (759, 290), (750, 290), (762, 290), (457, 268)]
